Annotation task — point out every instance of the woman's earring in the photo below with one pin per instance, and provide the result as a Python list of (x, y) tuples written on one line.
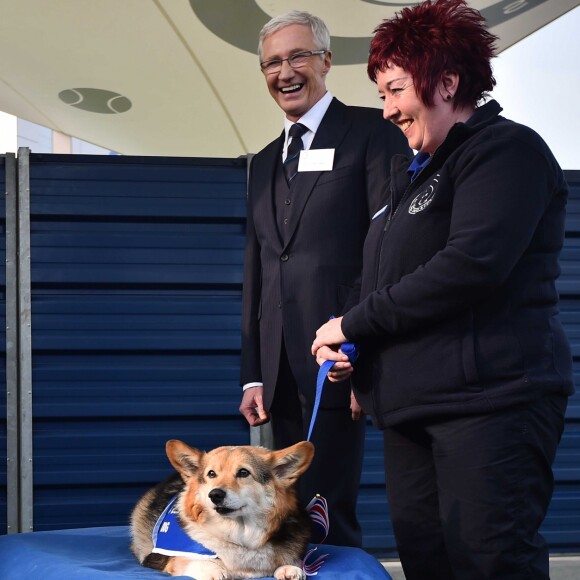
[(448, 97)]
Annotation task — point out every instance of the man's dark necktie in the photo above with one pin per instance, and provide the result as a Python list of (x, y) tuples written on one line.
[(293, 152)]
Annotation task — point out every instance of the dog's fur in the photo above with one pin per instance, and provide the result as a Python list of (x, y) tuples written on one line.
[(239, 502)]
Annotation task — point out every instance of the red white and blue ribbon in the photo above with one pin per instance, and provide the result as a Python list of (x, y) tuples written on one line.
[(318, 511)]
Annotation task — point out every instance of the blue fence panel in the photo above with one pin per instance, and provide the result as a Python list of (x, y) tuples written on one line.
[(136, 271)]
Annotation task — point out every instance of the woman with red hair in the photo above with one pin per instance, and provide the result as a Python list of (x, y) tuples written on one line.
[(464, 362)]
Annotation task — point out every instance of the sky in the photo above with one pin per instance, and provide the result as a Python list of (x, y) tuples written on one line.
[(538, 84), (8, 141)]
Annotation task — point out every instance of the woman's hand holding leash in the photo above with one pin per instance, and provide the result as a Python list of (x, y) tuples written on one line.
[(329, 334), (326, 346), (342, 368)]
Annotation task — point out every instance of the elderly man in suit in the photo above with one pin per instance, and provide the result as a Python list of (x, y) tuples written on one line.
[(305, 230)]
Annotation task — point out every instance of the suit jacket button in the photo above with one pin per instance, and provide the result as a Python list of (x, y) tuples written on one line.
[(287, 201), (284, 257)]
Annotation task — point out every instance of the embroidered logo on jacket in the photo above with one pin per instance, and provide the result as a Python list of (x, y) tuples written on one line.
[(425, 197)]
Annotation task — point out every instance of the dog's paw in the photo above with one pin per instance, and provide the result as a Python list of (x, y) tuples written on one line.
[(198, 569), (289, 573)]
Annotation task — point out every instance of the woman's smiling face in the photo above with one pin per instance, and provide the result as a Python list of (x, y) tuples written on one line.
[(425, 127)]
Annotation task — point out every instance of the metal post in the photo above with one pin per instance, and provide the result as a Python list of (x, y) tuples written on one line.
[(12, 403), (25, 342)]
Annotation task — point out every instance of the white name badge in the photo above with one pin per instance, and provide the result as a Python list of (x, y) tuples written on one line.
[(316, 160)]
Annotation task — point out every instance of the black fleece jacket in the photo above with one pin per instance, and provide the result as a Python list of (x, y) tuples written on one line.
[(457, 309)]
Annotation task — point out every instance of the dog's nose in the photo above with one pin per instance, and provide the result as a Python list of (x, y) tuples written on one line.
[(217, 495)]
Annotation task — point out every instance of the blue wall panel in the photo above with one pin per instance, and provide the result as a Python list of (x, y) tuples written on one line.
[(136, 274)]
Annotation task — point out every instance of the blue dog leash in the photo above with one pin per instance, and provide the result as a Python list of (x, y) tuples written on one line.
[(349, 349)]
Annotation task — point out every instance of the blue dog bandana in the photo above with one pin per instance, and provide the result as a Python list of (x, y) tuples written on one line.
[(170, 539)]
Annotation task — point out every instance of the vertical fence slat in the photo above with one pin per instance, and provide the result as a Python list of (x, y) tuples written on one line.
[(12, 421), (24, 343)]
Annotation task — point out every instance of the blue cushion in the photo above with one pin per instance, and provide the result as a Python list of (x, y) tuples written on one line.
[(103, 554)]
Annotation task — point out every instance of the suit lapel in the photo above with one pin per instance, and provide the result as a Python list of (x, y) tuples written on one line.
[(329, 135)]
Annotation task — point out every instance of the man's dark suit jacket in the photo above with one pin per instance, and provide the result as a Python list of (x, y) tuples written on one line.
[(294, 286)]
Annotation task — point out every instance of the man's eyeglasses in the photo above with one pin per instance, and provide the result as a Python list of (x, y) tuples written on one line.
[(297, 60)]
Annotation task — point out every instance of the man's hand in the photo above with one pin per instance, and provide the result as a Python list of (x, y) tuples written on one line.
[(252, 407), (355, 408)]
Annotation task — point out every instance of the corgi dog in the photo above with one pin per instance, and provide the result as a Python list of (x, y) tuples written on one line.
[(238, 503)]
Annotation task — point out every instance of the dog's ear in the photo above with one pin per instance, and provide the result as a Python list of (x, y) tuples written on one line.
[(184, 458), (290, 463)]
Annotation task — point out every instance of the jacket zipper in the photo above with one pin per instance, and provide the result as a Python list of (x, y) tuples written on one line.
[(392, 211), (391, 214)]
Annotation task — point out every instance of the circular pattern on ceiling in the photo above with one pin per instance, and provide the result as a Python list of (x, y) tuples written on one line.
[(246, 18), (96, 100)]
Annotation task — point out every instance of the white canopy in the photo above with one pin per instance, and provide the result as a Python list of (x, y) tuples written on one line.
[(181, 77)]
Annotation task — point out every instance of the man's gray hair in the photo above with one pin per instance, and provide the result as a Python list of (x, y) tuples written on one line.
[(319, 29)]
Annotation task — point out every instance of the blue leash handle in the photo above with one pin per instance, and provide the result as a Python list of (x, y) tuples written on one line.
[(349, 349)]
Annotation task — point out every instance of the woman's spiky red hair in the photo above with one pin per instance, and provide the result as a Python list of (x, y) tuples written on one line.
[(432, 38)]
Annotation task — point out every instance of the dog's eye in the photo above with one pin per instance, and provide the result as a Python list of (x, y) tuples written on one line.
[(243, 473), (211, 474)]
